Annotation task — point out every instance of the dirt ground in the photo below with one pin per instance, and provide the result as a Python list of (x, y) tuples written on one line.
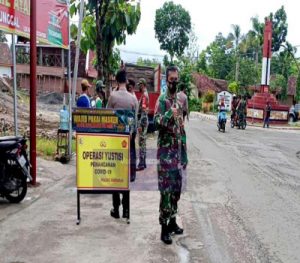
[(48, 108)]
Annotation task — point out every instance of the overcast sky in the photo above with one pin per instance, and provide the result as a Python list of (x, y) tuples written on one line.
[(209, 18)]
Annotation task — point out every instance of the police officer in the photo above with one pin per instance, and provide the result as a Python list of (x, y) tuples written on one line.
[(143, 123), (171, 154)]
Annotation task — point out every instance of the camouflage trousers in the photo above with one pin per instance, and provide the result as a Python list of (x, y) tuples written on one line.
[(168, 206), (142, 139)]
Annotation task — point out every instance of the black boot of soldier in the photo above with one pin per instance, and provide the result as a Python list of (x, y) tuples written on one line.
[(165, 235), (174, 228)]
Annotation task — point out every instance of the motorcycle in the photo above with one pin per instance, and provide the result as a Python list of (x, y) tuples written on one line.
[(239, 122), (222, 118), (14, 168)]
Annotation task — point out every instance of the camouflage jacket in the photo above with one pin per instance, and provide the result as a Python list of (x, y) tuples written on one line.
[(171, 143)]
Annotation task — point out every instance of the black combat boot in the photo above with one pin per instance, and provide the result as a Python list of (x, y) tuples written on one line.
[(165, 235), (174, 228), (114, 212)]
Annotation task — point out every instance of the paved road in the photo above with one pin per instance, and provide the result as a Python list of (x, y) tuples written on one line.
[(241, 204), (244, 187)]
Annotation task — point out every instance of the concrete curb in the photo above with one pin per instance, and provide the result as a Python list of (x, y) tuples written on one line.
[(203, 116)]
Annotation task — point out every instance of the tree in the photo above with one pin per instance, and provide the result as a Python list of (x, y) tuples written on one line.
[(147, 62), (236, 37), (279, 27), (220, 58), (233, 88), (279, 83), (192, 50), (172, 28), (2, 36), (106, 23), (298, 89), (201, 66)]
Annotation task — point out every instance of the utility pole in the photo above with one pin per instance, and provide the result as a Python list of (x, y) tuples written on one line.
[(15, 84), (70, 87), (33, 75), (75, 73)]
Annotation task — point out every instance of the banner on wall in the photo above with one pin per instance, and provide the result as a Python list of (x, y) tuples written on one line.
[(52, 20)]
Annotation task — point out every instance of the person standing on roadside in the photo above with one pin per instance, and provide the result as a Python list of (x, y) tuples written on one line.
[(143, 123), (84, 100), (122, 99), (100, 94), (183, 99), (130, 88), (267, 114), (171, 155)]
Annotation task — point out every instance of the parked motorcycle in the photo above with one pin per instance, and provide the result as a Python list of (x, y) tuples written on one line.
[(222, 118), (14, 168)]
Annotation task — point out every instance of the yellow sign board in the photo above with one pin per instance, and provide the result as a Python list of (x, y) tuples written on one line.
[(103, 161)]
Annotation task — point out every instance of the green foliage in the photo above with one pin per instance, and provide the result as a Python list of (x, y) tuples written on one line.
[(185, 75), (46, 148), (172, 28), (73, 31), (280, 28), (114, 61), (195, 104), (208, 97), (147, 62), (249, 72), (201, 65), (237, 57), (233, 88), (277, 82), (220, 58), (106, 23)]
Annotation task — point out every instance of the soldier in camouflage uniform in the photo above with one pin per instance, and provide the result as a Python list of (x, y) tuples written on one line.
[(143, 123), (171, 155)]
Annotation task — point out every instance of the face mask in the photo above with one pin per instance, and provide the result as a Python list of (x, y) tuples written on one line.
[(173, 87)]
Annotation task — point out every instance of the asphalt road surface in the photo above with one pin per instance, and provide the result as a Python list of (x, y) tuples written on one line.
[(245, 189), (241, 204)]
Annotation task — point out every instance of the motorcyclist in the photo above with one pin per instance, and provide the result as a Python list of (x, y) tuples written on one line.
[(221, 108), (241, 108), (234, 104)]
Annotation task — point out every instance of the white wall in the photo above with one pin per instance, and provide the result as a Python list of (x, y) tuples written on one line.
[(5, 71)]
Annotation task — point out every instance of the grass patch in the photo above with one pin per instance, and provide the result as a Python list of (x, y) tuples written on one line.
[(46, 148)]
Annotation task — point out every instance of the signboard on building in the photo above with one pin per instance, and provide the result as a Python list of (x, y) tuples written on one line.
[(52, 24), (227, 99), (279, 115), (103, 161), (255, 113)]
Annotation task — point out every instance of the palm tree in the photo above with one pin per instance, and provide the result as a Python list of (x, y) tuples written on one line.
[(256, 37), (236, 37)]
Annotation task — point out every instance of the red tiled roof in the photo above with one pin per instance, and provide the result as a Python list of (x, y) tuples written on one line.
[(205, 83)]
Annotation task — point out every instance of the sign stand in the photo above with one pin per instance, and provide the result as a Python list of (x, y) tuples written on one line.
[(79, 192), (103, 152)]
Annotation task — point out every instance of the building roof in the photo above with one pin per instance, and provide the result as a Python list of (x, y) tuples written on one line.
[(6, 56), (205, 83)]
